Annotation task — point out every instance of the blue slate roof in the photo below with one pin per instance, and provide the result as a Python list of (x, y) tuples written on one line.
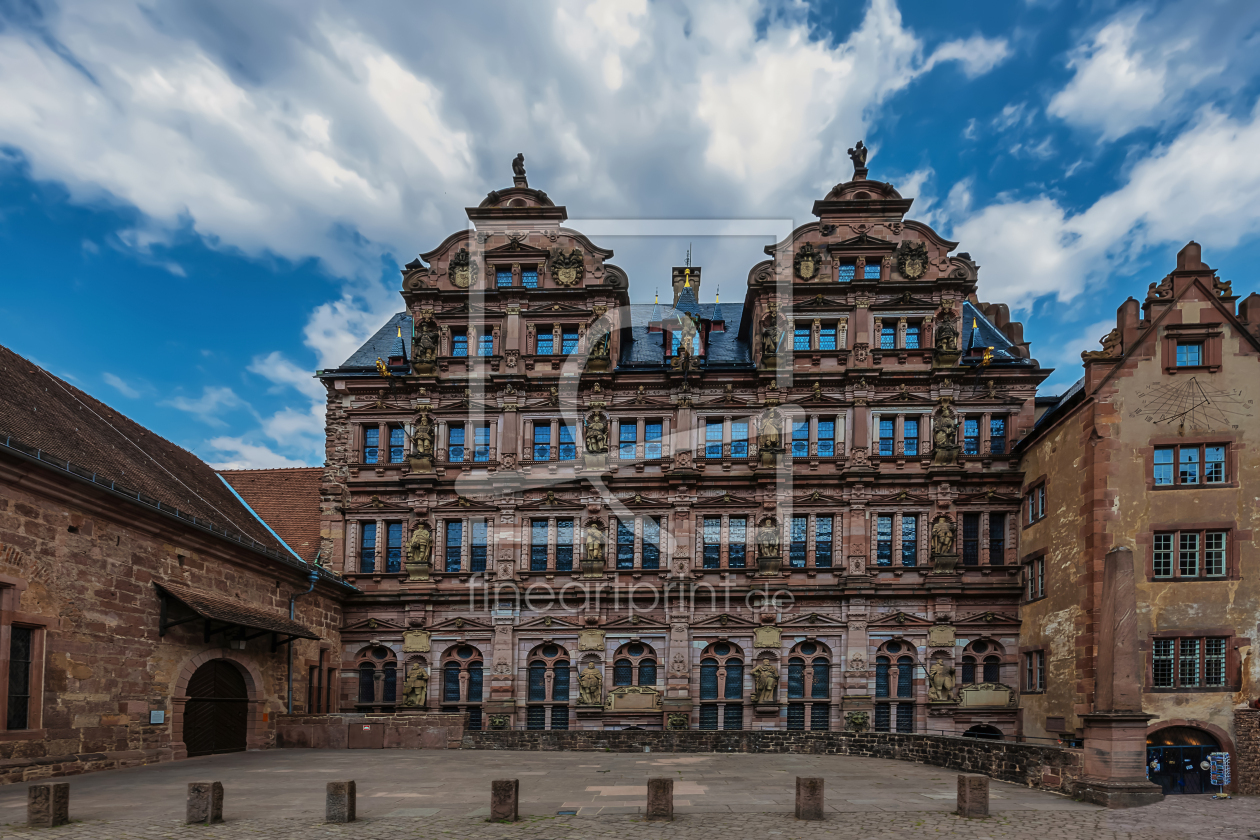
[(687, 302), (985, 334), (383, 344), (647, 348)]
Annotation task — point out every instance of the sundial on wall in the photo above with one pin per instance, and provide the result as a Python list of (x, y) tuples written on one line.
[(1189, 403)]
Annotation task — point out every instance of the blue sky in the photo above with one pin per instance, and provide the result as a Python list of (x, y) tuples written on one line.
[(200, 204)]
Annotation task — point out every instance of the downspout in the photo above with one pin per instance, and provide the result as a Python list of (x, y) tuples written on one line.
[(313, 577)]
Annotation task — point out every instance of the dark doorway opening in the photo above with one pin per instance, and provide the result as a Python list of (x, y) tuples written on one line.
[(984, 730), (216, 717), (1174, 759)]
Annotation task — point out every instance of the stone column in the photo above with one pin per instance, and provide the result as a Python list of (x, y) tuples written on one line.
[(1115, 734)]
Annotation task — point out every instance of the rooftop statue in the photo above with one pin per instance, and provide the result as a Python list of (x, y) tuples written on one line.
[(518, 164), (858, 155)]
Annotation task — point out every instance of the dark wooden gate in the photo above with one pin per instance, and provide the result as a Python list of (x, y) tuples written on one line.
[(216, 716)]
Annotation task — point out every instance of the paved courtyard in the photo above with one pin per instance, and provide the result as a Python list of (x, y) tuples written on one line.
[(280, 794)]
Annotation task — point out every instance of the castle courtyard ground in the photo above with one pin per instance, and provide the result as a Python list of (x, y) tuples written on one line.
[(279, 794)]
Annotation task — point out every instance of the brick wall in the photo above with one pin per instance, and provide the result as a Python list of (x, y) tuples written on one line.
[(1048, 768), (1246, 769), (400, 732)]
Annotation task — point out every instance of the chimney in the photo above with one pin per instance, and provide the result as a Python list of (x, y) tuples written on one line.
[(1190, 258)]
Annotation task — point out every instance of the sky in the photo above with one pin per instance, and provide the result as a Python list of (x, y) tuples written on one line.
[(203, 203)]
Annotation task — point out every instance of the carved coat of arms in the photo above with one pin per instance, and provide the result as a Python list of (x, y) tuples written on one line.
[(463, 271), (806, 262), (566, 267), (912, 260)]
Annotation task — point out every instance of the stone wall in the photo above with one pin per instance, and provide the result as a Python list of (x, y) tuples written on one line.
[(1246, 769), (400, 731), (1048, 768)]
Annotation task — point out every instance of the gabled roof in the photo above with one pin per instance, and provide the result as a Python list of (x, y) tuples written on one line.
[(985, 334), (287, 500), (382, 345), (647, 348)]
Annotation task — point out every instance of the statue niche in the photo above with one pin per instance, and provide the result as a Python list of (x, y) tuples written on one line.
[(598, 357), (420, 552), (416, 688), (944, 557), (771, 337), (941, 682), (946, 353), (769, 559), (421, 458), (765, 684), (945, 448), (591, 686), (770, 438), (684, 360), (593, 550), (424, 346), (595, 441)]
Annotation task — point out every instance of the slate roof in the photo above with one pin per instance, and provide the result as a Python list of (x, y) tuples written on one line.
[(687, 302), (231, 611), (287, 500), (986, 335), (41, 411), (647, 348), (1059, 403), (382, 345)]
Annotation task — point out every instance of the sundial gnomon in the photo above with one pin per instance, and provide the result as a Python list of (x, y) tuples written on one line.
[(1192, 404)]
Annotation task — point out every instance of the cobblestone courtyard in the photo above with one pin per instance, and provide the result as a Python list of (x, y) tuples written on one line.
[(405, 794)]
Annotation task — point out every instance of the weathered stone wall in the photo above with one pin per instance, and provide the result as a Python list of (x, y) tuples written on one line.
[(1048, 768), (81, 564), (1246, 758), (401, 731)]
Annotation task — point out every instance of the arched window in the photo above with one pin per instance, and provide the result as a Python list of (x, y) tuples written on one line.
[(632, 657), (708, 679), (548, 662), (734, 679), (389, 692), (647, 672), (821, 688), (992, 669), (796, 678), (377, 665), (722, 678), (982, 662), (450, 682), (623, 673), (560, 685), (894, 681), (905, 677), (881, 676), (537, 681), (809, 677), (367, 683), (968, 670)]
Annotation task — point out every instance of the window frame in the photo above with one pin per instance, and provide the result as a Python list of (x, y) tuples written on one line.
[(1033, 508), (1035, 577), (1173, 538), (1229, 661), (1035, 671), (1201, 465)]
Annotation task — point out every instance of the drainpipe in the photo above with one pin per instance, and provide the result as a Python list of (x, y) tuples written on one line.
[(313, 577)]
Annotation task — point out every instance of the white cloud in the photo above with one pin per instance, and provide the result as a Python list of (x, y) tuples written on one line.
[(212, 402), (119, 385), (976, 54), (247, 456), (278, 369)]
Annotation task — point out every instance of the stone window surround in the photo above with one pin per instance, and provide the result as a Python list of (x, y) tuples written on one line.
[(1031, 487), (1028, 656), (1029, 563), (364, 656), (924, 416), (1233, 662), (1233, 538), (922, 556), (449, 655), (11, 589), (1230, 442), (534, 657), (1211, 335)]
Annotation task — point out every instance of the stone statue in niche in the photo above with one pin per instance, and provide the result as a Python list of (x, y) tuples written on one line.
[(768, 537), (765, 683), (593, 549), (770, 437), (942, 535), (945, 448), (941, 682), (424, 345), (420, 551), (416, 688), (518, 165), (596, 438), (422, 437), (591, 686)]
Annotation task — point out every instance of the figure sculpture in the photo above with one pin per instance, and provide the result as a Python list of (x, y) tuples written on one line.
[(771, 335), (594, 542), (765, 683), (768, 538), (420, 545), (416, 688), (591, 686), (518, 165), (947, 337), (942, 535), (596, 439), (858, 155), (770, 438), (945, 433), (941, 682), (422, 438)]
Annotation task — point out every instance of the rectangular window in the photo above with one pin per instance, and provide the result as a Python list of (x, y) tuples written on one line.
[(651, 542), (909, 539), (1214, 554), (1162, 658), (21, 654), (1036, 507), (997, 435), (795, 716), (713, 437), (971, 436), (502, 277), (883, 540), (827, 337), (481, 442), (1162, 555), (538, 534), (485, 344), (529, 277), (568, 443), (1188, 555), (712, 542), (820, 717), (564, 545), (1188, 464), (1200, 554), (826, 437), (887, 436), (1189, 663), (455, 442), (1213, 662), (454, 544), (367, 547), (871, 272), (625, 544), (1189, 353), (736, 542), (1164, 465), (822, 542), (799, 534), (652, 433), (912, 336), (1036, 572), (568, 341), (536, 717), (733, 716), (371, 445), (459, 344), (396, 438), (480, 545), (544, 344), (542, 441), (708, 716), (1041, 501), (971, 539), (739, 438), (997, 539), (846, 271), (905, 717), (882, 717), (1214, 464), (887, 338), (393, 547), (800, 338), (628, 438), (910, 436), (800, 438), (1035, 670)]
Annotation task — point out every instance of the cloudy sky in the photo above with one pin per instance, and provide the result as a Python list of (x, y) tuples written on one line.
[(202, 203)]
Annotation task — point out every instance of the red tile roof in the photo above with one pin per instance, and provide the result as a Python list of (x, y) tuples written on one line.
[(40, 411), (287, 500)]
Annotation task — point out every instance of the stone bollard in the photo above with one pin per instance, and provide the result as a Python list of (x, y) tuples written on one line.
[(205, 802), (504, 794), (660, 801), (48, 805), (809, 798), (973, 796), (339, 802)]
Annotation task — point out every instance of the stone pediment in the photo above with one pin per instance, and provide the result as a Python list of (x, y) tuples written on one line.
[(633, 698), (551, 501), (634, 624), (378, 505), (549, 622), (817, 497), (723, 624), (464, 505), (985, 498), (460, 625), (810, 622), (862, 242), (373, 625), (558, 308), (905, 497), (904, 300), (515, 248), (905, 398), (900, 619), (819, 302), (987, 617), (725, 500)]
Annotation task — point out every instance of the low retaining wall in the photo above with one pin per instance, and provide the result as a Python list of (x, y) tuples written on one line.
[(386, 731), (1044, 767)]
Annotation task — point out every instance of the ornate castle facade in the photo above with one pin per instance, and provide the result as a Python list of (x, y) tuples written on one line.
[(798, 511)]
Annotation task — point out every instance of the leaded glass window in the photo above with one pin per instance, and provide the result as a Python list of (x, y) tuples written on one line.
[(538, 535), (564, 545), (367, 547), (736, 542), (822, 542), (479, 547), (883, 540), (454, 544), (651, 542), (625, 544), (393, 547), (799, 533), (712, 542)]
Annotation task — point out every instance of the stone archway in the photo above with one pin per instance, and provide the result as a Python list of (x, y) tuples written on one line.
[(1182, 727), (255, 726)]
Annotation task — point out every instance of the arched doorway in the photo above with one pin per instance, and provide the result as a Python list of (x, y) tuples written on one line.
[(216, 716), (1174, 758), (984, 730)]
